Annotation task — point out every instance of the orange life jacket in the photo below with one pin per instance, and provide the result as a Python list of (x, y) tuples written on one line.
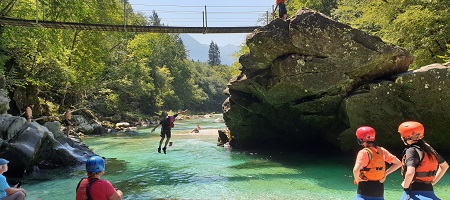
[(427, 168), (376, 168), (280, 1)]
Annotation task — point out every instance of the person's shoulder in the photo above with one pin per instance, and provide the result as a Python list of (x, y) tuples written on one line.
[(104, 181)]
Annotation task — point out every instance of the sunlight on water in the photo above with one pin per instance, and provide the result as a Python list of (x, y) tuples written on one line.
[(195, 168)]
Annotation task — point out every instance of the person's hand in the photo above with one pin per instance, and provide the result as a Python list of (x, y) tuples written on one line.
[(383, 179), (120, 193), (24, 192)]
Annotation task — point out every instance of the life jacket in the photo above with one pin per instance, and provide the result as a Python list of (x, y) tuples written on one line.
[(375, 170), (171, 120), (88, 187), (426, 169)]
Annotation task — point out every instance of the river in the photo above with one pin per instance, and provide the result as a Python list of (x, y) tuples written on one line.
[(196, 168)]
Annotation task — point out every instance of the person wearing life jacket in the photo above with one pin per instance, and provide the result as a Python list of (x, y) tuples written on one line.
[(94, 188), (370, 166), (422, 166), (167, 123)]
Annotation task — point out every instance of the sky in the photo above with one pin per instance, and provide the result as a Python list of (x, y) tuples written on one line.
[(220, 13)]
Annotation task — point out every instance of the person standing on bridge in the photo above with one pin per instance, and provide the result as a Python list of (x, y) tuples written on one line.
[(282, 11)]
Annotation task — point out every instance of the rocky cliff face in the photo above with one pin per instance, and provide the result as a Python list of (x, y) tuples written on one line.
[(311, 81)]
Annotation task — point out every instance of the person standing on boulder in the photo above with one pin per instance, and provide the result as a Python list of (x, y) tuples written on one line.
[(370, 166), (422, 166), (282, 11), (67, 118), (29, 112), (167, 123), (7, 192)]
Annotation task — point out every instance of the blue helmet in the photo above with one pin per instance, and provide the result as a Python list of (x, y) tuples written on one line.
[(95, 164)]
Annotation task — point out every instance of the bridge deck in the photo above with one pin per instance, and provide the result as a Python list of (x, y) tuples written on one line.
[(131, 28)]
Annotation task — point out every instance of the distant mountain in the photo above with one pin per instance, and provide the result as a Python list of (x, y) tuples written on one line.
[(199, 52)]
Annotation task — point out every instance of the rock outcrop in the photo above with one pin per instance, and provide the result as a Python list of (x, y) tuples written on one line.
[(307, 82), (29, 145)]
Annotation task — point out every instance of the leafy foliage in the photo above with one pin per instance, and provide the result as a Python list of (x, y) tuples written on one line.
[(421, 26), (118, 75)]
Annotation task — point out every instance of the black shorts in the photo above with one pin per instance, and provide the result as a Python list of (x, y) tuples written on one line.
[(282, 10), (67, 122), (371, 188), (165, 133)]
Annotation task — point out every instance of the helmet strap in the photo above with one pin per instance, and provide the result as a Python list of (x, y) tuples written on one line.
[(360, 142)]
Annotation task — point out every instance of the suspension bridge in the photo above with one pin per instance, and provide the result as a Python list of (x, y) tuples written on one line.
[(187, 14)]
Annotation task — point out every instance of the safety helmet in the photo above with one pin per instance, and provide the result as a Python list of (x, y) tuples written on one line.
[(365, 134), (95, 164), (411, 130)]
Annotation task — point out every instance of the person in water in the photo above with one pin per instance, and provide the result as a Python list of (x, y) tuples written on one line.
[(93, 187), (196, 129), (167, 123), (7, 192), (370, 166), (422, 166)]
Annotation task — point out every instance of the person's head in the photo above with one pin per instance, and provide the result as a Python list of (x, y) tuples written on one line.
[(365, 135), (95, 165), (411, 132), (164, 114), (3, 165)]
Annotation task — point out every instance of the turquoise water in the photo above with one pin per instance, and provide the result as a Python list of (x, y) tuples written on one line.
[(195, 168)]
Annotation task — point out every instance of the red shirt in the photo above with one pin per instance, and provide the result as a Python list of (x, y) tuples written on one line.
[(100, 190)]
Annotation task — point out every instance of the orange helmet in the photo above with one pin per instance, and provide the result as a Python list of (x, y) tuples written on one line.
[(411, 130), (365, 134)]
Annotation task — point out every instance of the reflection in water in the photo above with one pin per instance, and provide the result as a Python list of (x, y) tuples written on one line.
[(195, 168)]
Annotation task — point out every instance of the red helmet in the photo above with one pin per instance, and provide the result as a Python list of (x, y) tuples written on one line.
[(411, 130), (365, 134)]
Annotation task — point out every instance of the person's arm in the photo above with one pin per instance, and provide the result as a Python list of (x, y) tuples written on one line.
[(13, 190), (357, 173), (409, 175), (362, 159), (440, 172), (183, 112), (395, 165), (116, 196), (155, 127)]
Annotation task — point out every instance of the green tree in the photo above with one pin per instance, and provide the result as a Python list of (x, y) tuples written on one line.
[(213, 54), (155, 20), (421, 26)]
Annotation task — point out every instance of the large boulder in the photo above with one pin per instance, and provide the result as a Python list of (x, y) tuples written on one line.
[(303, 85), (421, 95), (29, 145)]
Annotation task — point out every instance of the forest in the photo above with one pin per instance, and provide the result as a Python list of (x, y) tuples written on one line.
[(124, 75), (117, 75)]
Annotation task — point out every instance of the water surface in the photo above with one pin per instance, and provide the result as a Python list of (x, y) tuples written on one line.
[(196, 168)]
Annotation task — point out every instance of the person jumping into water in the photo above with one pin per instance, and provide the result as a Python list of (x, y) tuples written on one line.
[(167, 123)]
